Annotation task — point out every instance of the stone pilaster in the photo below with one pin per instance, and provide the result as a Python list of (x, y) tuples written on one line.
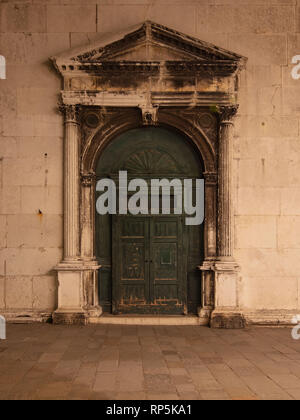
[(226, 313), (91, 266), (77, 283), (88, 181), (210, 248)]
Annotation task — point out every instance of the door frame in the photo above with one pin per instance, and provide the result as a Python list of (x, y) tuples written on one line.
[(119, 121)]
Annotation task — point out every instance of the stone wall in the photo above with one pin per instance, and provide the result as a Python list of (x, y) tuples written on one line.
[(267, 143)]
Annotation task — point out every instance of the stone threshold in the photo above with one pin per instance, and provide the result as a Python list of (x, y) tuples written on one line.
[(146, 320)]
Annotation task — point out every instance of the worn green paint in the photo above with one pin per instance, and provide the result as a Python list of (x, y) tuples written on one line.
[(149, 262)]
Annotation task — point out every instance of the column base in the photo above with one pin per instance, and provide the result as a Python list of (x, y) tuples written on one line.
[(204, 315), (61, 317), (227, 320), (77, 292), (76, 316)]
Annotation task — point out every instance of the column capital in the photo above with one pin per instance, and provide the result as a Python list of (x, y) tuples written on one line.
[(70, 112), (211, 177), (88, 179), (227, 113)]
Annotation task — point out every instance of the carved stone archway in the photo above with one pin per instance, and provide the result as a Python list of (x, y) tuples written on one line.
[(149, 76)]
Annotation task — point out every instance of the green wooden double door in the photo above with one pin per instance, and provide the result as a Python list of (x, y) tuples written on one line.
[(149, 265)]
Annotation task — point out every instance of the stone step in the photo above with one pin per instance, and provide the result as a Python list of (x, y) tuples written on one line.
[(145, 320)]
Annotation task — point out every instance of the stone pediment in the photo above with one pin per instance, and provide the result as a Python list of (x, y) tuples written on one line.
[(148, 47)]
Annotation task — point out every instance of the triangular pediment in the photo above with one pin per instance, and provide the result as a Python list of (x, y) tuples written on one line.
[(148, 42)]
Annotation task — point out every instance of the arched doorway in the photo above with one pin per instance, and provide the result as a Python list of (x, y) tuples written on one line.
[(115, 87), (149, 263)]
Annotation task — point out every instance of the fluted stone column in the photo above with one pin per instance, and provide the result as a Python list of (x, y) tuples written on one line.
[(226, 313), (225, 196), (71, 182)]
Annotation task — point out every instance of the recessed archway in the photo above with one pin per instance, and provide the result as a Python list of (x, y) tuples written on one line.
[(149, 263)]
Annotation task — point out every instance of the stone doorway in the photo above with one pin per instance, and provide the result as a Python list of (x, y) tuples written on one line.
[(149, 76)]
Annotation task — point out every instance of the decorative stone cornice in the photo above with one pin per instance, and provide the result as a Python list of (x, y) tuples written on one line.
[(227, 113), (70, 112), (107, 56)]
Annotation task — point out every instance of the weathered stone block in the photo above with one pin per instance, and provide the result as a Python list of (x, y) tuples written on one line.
[(10, 200), (268, 262), (269, 173), (52, 231), (32, 48), (267, 126), (70, 290), (288, 232), (36, 101), (114, 18), (248, 18), (290, 201), (24, 231), (8, 147), (291, 100), (8, 102), (260, 49), (54, 200), (32, 172), (258, 201), (34, 231), (3, 231), (261, 76), (2, 292), (79, 39), (45, 293), (267, 292), (264, 101), (231, 321), (220, 39), (23, 17), (226, 290), (267, 148), (40, 147), (71, 18), (256, 232), (19, 292), (29, 261), (47, 199), (24, 172), (33, 126), (175, 16), (33, 199)]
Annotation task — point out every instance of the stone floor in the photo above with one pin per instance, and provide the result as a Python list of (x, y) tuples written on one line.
[(128, 362)]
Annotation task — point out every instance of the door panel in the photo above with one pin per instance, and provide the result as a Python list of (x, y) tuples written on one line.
[(130, 250), (166, 275), (149, 263)]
